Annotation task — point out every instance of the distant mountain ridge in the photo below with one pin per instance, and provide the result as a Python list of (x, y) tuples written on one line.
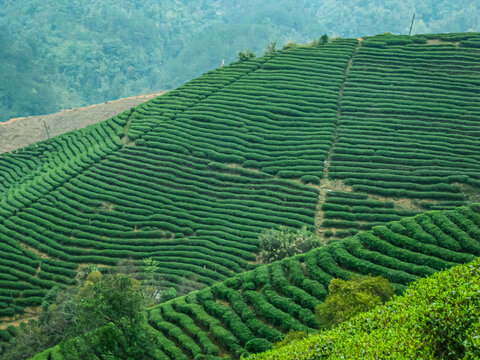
[(65, 54)]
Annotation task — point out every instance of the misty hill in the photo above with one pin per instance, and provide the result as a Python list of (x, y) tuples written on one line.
[(63, 55)]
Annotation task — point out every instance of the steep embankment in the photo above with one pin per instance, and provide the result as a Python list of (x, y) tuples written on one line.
[(267, 302), (192, 177), (20, 132)]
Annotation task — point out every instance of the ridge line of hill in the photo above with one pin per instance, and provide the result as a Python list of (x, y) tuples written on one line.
[(200, 100)]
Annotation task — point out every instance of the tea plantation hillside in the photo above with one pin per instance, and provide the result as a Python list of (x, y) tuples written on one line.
[(192, 177), (420, 322), (409, 127), (261, 305)]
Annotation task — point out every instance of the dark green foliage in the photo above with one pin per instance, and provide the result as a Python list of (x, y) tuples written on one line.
[(247, 55), (271, 48), (291, 336), (348, 298), (258, 345), (324, 39), (310, 179), (117, 302)]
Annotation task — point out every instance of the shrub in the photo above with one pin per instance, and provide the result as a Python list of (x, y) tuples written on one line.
[(291, 335), (346, 298), (271, 48), (310, 179), (276, 244), (258, 345), (247, 55), (290, 45), (253, 164), (328, 233), (323, 39)]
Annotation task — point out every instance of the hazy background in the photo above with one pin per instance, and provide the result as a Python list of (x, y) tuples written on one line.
[(58, 54)]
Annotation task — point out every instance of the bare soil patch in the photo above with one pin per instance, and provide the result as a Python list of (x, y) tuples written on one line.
[(20, 132), (441, 42)]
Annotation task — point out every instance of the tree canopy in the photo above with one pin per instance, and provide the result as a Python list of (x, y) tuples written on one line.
[(58, 55)]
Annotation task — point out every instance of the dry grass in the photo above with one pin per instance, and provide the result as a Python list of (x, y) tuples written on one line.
[(441, 42), (31, 313), (35, 251)]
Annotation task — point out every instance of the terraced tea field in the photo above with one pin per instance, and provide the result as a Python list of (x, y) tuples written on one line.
[(409, 127), (267, 302), (335, 137)]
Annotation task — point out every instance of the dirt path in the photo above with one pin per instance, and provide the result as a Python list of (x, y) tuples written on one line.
[(326, 184), (20, 132)]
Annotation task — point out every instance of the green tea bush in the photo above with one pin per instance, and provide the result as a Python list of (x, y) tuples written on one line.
[(437, 317), (258, 345)]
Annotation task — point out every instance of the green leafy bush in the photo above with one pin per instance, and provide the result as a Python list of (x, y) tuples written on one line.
[(258, 345), (276, 244), (246, 55), (346, 298)]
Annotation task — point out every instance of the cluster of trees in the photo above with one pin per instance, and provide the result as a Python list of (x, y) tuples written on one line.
[(57, 56), (102, 315)]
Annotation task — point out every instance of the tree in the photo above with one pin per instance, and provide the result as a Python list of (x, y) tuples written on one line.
[(324, 39), (248, 54), (346, 298), (110, 321), (290, 45), (276, 244), (151, 290), (271, 48)]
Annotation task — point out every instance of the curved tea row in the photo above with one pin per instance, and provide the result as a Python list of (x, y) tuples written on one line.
[(190, 178), (267, 302)]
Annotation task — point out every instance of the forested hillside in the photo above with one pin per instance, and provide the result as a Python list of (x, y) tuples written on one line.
[(57, 55), (193, 177)]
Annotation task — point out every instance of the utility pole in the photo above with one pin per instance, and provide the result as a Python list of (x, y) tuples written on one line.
[(411, 25), (46, 129)]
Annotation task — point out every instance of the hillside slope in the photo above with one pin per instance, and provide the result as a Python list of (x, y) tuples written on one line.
[(437, 317), (267, 302), (192, 177), (20, 132)]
